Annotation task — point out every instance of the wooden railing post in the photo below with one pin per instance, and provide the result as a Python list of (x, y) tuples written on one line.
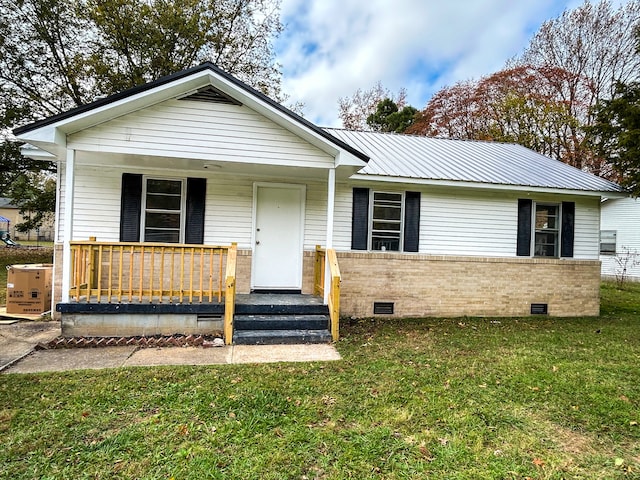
[(319, 271), (334, 293), (230, 294)]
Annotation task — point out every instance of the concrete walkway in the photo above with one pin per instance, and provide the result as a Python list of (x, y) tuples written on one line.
[(17, 355)]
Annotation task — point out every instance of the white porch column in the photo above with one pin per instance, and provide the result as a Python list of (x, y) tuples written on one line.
[(69, 174), (331, 196)]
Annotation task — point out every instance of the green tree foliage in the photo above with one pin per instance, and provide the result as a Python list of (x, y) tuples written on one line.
[(60, 54), (35, 193), (389, 118), (355, 110), (616, 134)]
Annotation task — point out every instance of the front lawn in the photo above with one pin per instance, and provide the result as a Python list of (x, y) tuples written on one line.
[(537, 398)]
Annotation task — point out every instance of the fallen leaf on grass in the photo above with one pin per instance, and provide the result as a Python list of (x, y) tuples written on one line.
[(426, 453), (538, 462)]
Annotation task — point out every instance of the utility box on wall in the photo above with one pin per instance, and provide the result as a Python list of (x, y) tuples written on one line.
[(29, 288)]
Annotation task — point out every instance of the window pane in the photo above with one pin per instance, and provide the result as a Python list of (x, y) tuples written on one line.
[(162, 220), (386, 242), (173, 187), (387, 197), (162, 236), (387, 213), (546, 217), (546, 244), (386, 223), (392, 226), (163, 202)]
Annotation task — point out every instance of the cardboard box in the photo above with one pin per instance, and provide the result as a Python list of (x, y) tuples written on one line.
[(29, 288)]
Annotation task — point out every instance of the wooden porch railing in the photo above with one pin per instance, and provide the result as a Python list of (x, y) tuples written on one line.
[(322, 257), (106, 272)]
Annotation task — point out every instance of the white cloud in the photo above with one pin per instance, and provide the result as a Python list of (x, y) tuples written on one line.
[(330, 48)]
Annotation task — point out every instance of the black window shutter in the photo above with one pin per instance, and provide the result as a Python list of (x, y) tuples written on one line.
[(130, 207), (568, 224), (524, 227), (411, 221), (196, 197), (360, 219)]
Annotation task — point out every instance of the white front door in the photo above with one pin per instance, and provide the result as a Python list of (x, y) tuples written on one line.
[(278, 236)]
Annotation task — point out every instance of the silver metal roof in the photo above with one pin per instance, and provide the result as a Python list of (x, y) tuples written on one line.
[(417, 157)]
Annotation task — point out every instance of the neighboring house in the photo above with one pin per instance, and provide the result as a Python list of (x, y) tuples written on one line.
[(12, 213), (420, 226), (620, 238)]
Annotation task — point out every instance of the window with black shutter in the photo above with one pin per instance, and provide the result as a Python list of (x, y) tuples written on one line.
[(385, 221), (165, 210), (545, 229)]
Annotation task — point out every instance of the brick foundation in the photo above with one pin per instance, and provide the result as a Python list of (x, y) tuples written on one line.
[(445, 286)]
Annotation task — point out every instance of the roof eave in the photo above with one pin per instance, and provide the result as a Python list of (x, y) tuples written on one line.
[(489, 186), (50, 133)]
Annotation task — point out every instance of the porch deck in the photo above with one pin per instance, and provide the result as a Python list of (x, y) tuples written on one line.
[(247, 304)]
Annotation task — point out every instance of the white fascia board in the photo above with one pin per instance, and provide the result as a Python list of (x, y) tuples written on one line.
[(486, 186)]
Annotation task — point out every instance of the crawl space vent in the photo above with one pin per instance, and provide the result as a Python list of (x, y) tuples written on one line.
[(383, 308), (210, 94), (539, 309)]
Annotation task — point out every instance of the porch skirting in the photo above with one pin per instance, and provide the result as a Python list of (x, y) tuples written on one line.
[(452, 286), (96, 324)]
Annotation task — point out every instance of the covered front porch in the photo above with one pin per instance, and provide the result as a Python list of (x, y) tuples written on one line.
[(131, 289)]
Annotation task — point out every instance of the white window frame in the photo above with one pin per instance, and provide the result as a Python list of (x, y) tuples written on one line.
[(183, 204), (614, 234), (558, 228), (371, 220)]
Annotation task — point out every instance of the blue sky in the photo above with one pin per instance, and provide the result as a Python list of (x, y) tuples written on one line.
[(330, 48)]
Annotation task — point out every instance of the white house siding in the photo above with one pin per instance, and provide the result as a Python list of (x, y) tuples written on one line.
[(587, 228), (315, 228), (472, 223), (623, 216), (202, 131), (229, 206)]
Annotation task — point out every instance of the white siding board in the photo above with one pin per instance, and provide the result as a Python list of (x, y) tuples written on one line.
[(623, 216), (587, 229), (468, 225), (472, 224), (315, 229), (96, 211), (201, 130), (342, 217), (228, 209)]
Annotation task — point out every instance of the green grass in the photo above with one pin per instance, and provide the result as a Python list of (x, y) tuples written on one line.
[(17, 256), (538, 398)]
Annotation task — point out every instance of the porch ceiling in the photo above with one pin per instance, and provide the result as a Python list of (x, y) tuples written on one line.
[(206, 167)]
